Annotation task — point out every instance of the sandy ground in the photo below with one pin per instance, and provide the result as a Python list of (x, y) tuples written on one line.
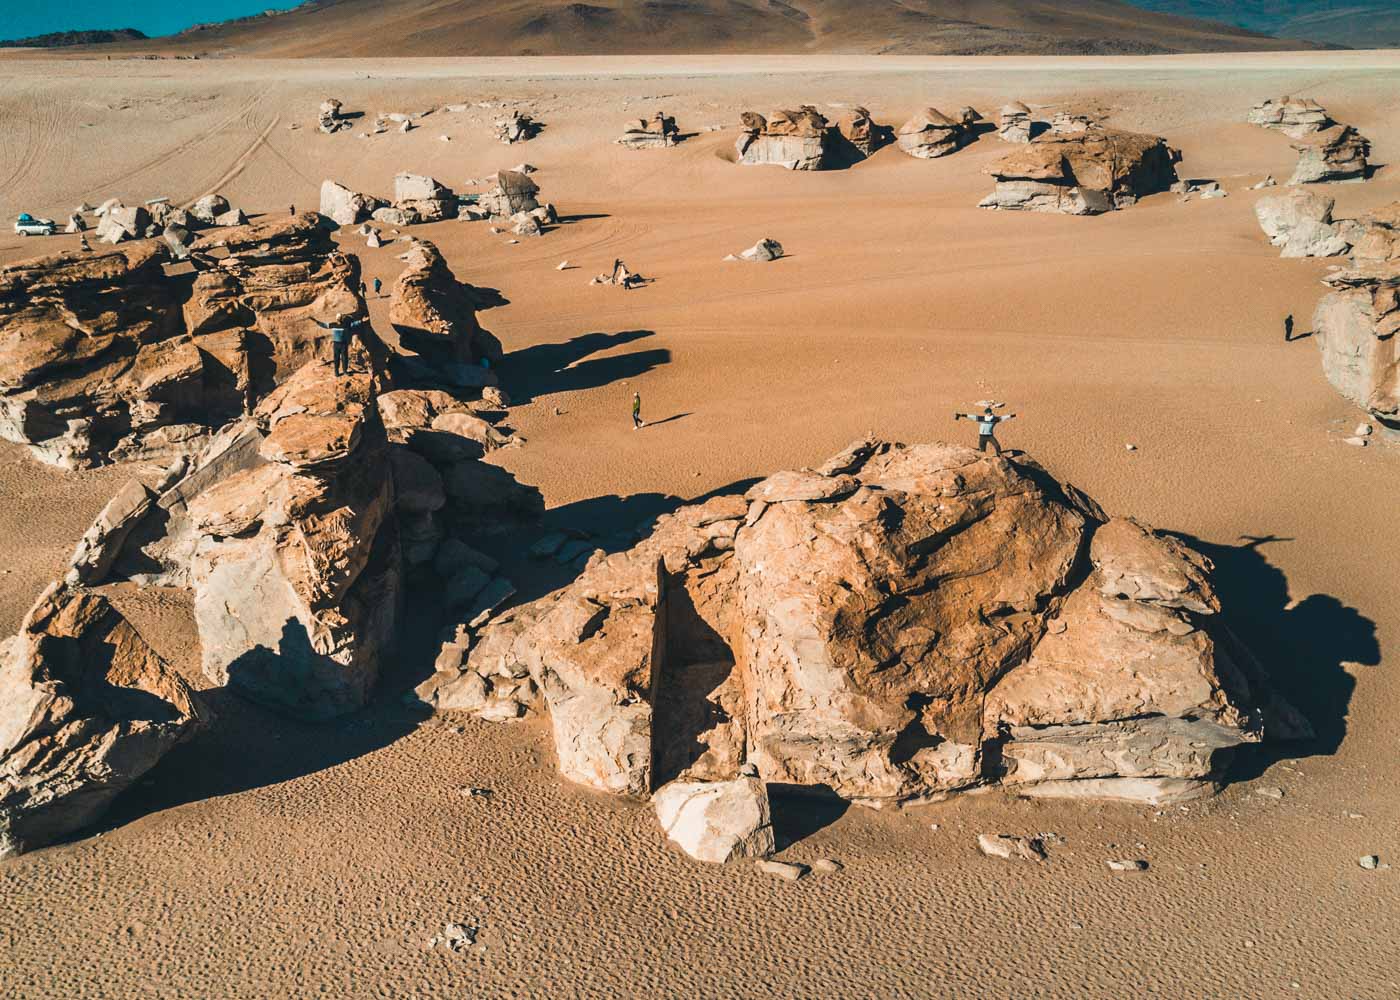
[(274, 859)]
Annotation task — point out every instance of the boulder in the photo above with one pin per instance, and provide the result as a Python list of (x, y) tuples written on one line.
[(931, 133), (1300, 221), (208, 209), (422, 198), (862, 134), (123, 222), (86, 709), (798, 140), (98, 548), (1337, 153), (519, 127), (717, 821), (435, 315), (344, 206), (1082, 173), (1295, 117), (1376, 236), (1026, 642), (1356, 328), (762, 251), (1015, 123), (657, 132), (233, 217), (513, 193)]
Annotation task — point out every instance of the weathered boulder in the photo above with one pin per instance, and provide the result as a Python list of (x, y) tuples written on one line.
[(798, 140), (1337, 153), (657, 132), (931, 133), (330, 120), (717, 821), (86, 709), (853, 627), (423, 198), (233, 217), (208, 209), (1015, 124), (123, 222), (1356, 328), (862, 134), (344, 206), (761, 252), (435, 314), (1082, 173), (519, 127), (512, 193), (1295, 117), (1376, 236), (1300, 221)]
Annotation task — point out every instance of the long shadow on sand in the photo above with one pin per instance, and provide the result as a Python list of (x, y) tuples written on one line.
[(1301, 646), (549, 368)]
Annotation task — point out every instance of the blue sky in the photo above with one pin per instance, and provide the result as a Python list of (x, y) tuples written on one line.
[(22, 18)]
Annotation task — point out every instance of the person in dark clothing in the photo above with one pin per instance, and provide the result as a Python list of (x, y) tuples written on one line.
[(986, 427), (1288, 328), (291, 210), (342, 331), (637, 421), (377, 286)]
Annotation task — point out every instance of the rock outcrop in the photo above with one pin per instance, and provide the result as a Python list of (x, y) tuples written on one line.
[(899, 624), (519, 127), (423, 199), (1357, 328), (717, 821), (1295, 117), (761, 252), (931, 134), (1015, 124), (435, 316), (798, 140), (344, 206), (122, 222), (514, 192), (1300, 221), (862, 134), (1337, 153), (1082, 172), (330, 119), (656, 132), (86, 709)]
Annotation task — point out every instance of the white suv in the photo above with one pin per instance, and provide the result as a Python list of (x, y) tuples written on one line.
[(27, 225)]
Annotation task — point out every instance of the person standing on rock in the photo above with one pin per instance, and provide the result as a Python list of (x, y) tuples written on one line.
[(342, 330), (637, 421), (986, 427)]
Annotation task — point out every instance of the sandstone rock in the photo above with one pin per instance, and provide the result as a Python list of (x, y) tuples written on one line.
[(1356, 329), (1337, 153), (788, 871), (798, 140), (1280, 214), (657, 132), (422, 198), (1314, 239), (121, 222), (344, 206), (208, 209), (392, 215), (862, 134), (717, 821), (417, 486), (931, 133), (86, 709), (1015, 125), (1010, 847), (1295, 117), (1028, 644), (762, 251), (525, 224), (1082, 173), (233, 217), (100, 545), (435, 314), (519, 127), (512, 193)]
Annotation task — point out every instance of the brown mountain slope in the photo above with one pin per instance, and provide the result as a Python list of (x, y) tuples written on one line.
[(554, 27)]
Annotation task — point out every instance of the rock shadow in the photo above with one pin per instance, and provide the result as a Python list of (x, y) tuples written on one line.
[(1300, 646), (549, 368), (799, 811)]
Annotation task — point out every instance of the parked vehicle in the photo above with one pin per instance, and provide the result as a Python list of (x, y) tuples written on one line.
[(28, 225)]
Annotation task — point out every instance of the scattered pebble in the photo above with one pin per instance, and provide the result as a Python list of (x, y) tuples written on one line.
[(1130, 447), (827, 866), (1269, 792), (1132, 865), (1010, 847), (785, 870), (563, 265), (455, 937), (1362, 430), (474, 793), (1370, 862)]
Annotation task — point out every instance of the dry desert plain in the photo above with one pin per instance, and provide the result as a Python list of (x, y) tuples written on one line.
[(270, 858)]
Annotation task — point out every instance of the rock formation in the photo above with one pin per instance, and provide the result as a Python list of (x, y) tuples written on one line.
[(330, 120), (1295, 117), (899, 624), (717, 821), (207, 209), (863, 134), (931, 133), (1015, 124), (122, 222), (517, 128), (656, 132), (1337, 153), (344, 206), (1300, 221), (435, 317), (761, 252), (423, 199), (513, 192), (1356, 328), (1082, 173), (86, 708), (798, 140)]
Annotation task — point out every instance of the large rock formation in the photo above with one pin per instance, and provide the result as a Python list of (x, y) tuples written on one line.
[(862, 134), (344, 206), (1300, 221), (422, 199), (931, 133), (656, 132), (514, 192), (1082, 173), (435, 315), (902, 623), (1015, 124), (86, 708), (1295, 117), (1337, 153), (798, 140), (1357, 328)]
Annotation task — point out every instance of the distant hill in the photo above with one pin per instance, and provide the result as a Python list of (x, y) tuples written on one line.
[(1361, 24), (63, 39), (619, 27)]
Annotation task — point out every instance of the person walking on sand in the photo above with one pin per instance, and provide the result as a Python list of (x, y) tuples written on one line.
[(291, 210), (341, 332), (377, 286), (637, 421), (986, 427)]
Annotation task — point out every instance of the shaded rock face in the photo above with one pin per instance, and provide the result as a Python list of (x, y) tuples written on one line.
[(435, 314), (931, 134), (1356, 328), (798, 140), (1337, 153), (423, 198), (1082, 173), (1015, 123), (86, 708), (902, 623), (656, 132), (514, 192), (295, 561), (862, 134), (344, 206), (518, 127), (1295, 117)]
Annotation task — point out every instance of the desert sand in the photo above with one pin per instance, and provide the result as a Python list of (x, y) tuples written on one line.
[(271, 858)]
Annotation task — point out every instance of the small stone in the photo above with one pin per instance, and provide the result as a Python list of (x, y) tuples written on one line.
[(471, 792), (827, 866), (1356, 442), (563, 265), (1133, 865), (1010, 847), (1362, 430), (1269, 792), (1370, 862), (1130, 447), (785, 870), (1349, 815)]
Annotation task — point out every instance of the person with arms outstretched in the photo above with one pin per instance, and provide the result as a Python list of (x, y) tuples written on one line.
[(342, 330), (986, 427)]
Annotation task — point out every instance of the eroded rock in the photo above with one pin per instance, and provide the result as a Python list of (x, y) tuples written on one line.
[(797, 140), (1082, 172)]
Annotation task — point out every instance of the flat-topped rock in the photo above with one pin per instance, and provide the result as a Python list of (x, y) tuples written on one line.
[(1082, 172)]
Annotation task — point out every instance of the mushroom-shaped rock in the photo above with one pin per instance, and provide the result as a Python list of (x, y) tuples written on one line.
[(1015, 123), (798, 140), (1082, 173), (931, 133)]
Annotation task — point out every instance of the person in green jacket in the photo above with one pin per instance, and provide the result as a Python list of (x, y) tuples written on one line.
[(637, 420)]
